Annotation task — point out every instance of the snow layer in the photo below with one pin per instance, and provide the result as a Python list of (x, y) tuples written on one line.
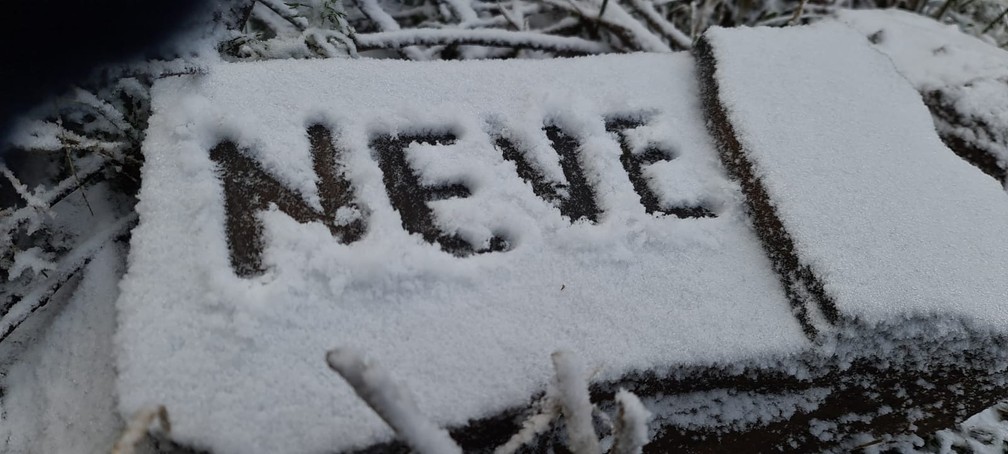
[(970, 74), (239, 363), (928, 53), (60, 395), (892, 222)]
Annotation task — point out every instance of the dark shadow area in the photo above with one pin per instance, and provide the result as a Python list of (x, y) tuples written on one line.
[(52, 44)]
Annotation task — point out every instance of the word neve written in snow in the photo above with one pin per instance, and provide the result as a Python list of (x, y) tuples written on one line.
[(249, 189)]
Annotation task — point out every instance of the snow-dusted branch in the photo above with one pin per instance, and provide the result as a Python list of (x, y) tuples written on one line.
[(494, 38), (66, 268), (385, 23), (11, 217), (284, 11), (630, 433), (572, 390), (670, 32), (392, 403), (549, 410), (136, 428), (462, 9), (31, 199), (618, 20)]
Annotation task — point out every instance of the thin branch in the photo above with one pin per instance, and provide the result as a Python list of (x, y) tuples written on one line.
[(284, 12), (385, 23), (797, 13), (493, 38), (52, 196), (622, 24), (598, 18), (22, 190), (941, 11), (655, 20), (515, 22), (67, 267), (995, 21), (462, 9), (80, 187), (391, 402), (536, 424)]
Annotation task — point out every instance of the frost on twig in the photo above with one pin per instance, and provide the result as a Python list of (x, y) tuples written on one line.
[(392, 403), (536, 424), (572, 390), (630, 433), (136, 428), (486, 37)]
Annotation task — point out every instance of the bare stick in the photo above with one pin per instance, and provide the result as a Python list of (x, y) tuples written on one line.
[(136, 428), (572, 389), (392, 403)]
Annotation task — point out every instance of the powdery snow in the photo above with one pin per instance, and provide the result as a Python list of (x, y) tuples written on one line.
[(970, 75), (928, 53), (59, 396), (239, 363), (893, 223)]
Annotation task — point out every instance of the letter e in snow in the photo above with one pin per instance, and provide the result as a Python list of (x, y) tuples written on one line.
[(410, 198)]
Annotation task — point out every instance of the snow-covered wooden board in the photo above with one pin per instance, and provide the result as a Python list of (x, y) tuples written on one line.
[(458, 183), (459, 222), (888, 221), (964, 80), (892, 249)]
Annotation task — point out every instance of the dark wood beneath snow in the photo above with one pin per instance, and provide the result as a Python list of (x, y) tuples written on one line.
[(802, 287), (949, 120), (865, 401)]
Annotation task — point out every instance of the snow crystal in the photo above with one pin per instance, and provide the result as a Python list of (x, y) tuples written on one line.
[(238, 362)]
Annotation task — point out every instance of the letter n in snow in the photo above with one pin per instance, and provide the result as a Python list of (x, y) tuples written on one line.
[(248, 190)]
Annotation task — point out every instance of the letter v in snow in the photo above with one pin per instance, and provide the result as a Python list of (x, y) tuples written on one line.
[(248, 190)]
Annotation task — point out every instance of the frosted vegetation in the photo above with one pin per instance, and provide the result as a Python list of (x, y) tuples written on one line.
[(72, 170)]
